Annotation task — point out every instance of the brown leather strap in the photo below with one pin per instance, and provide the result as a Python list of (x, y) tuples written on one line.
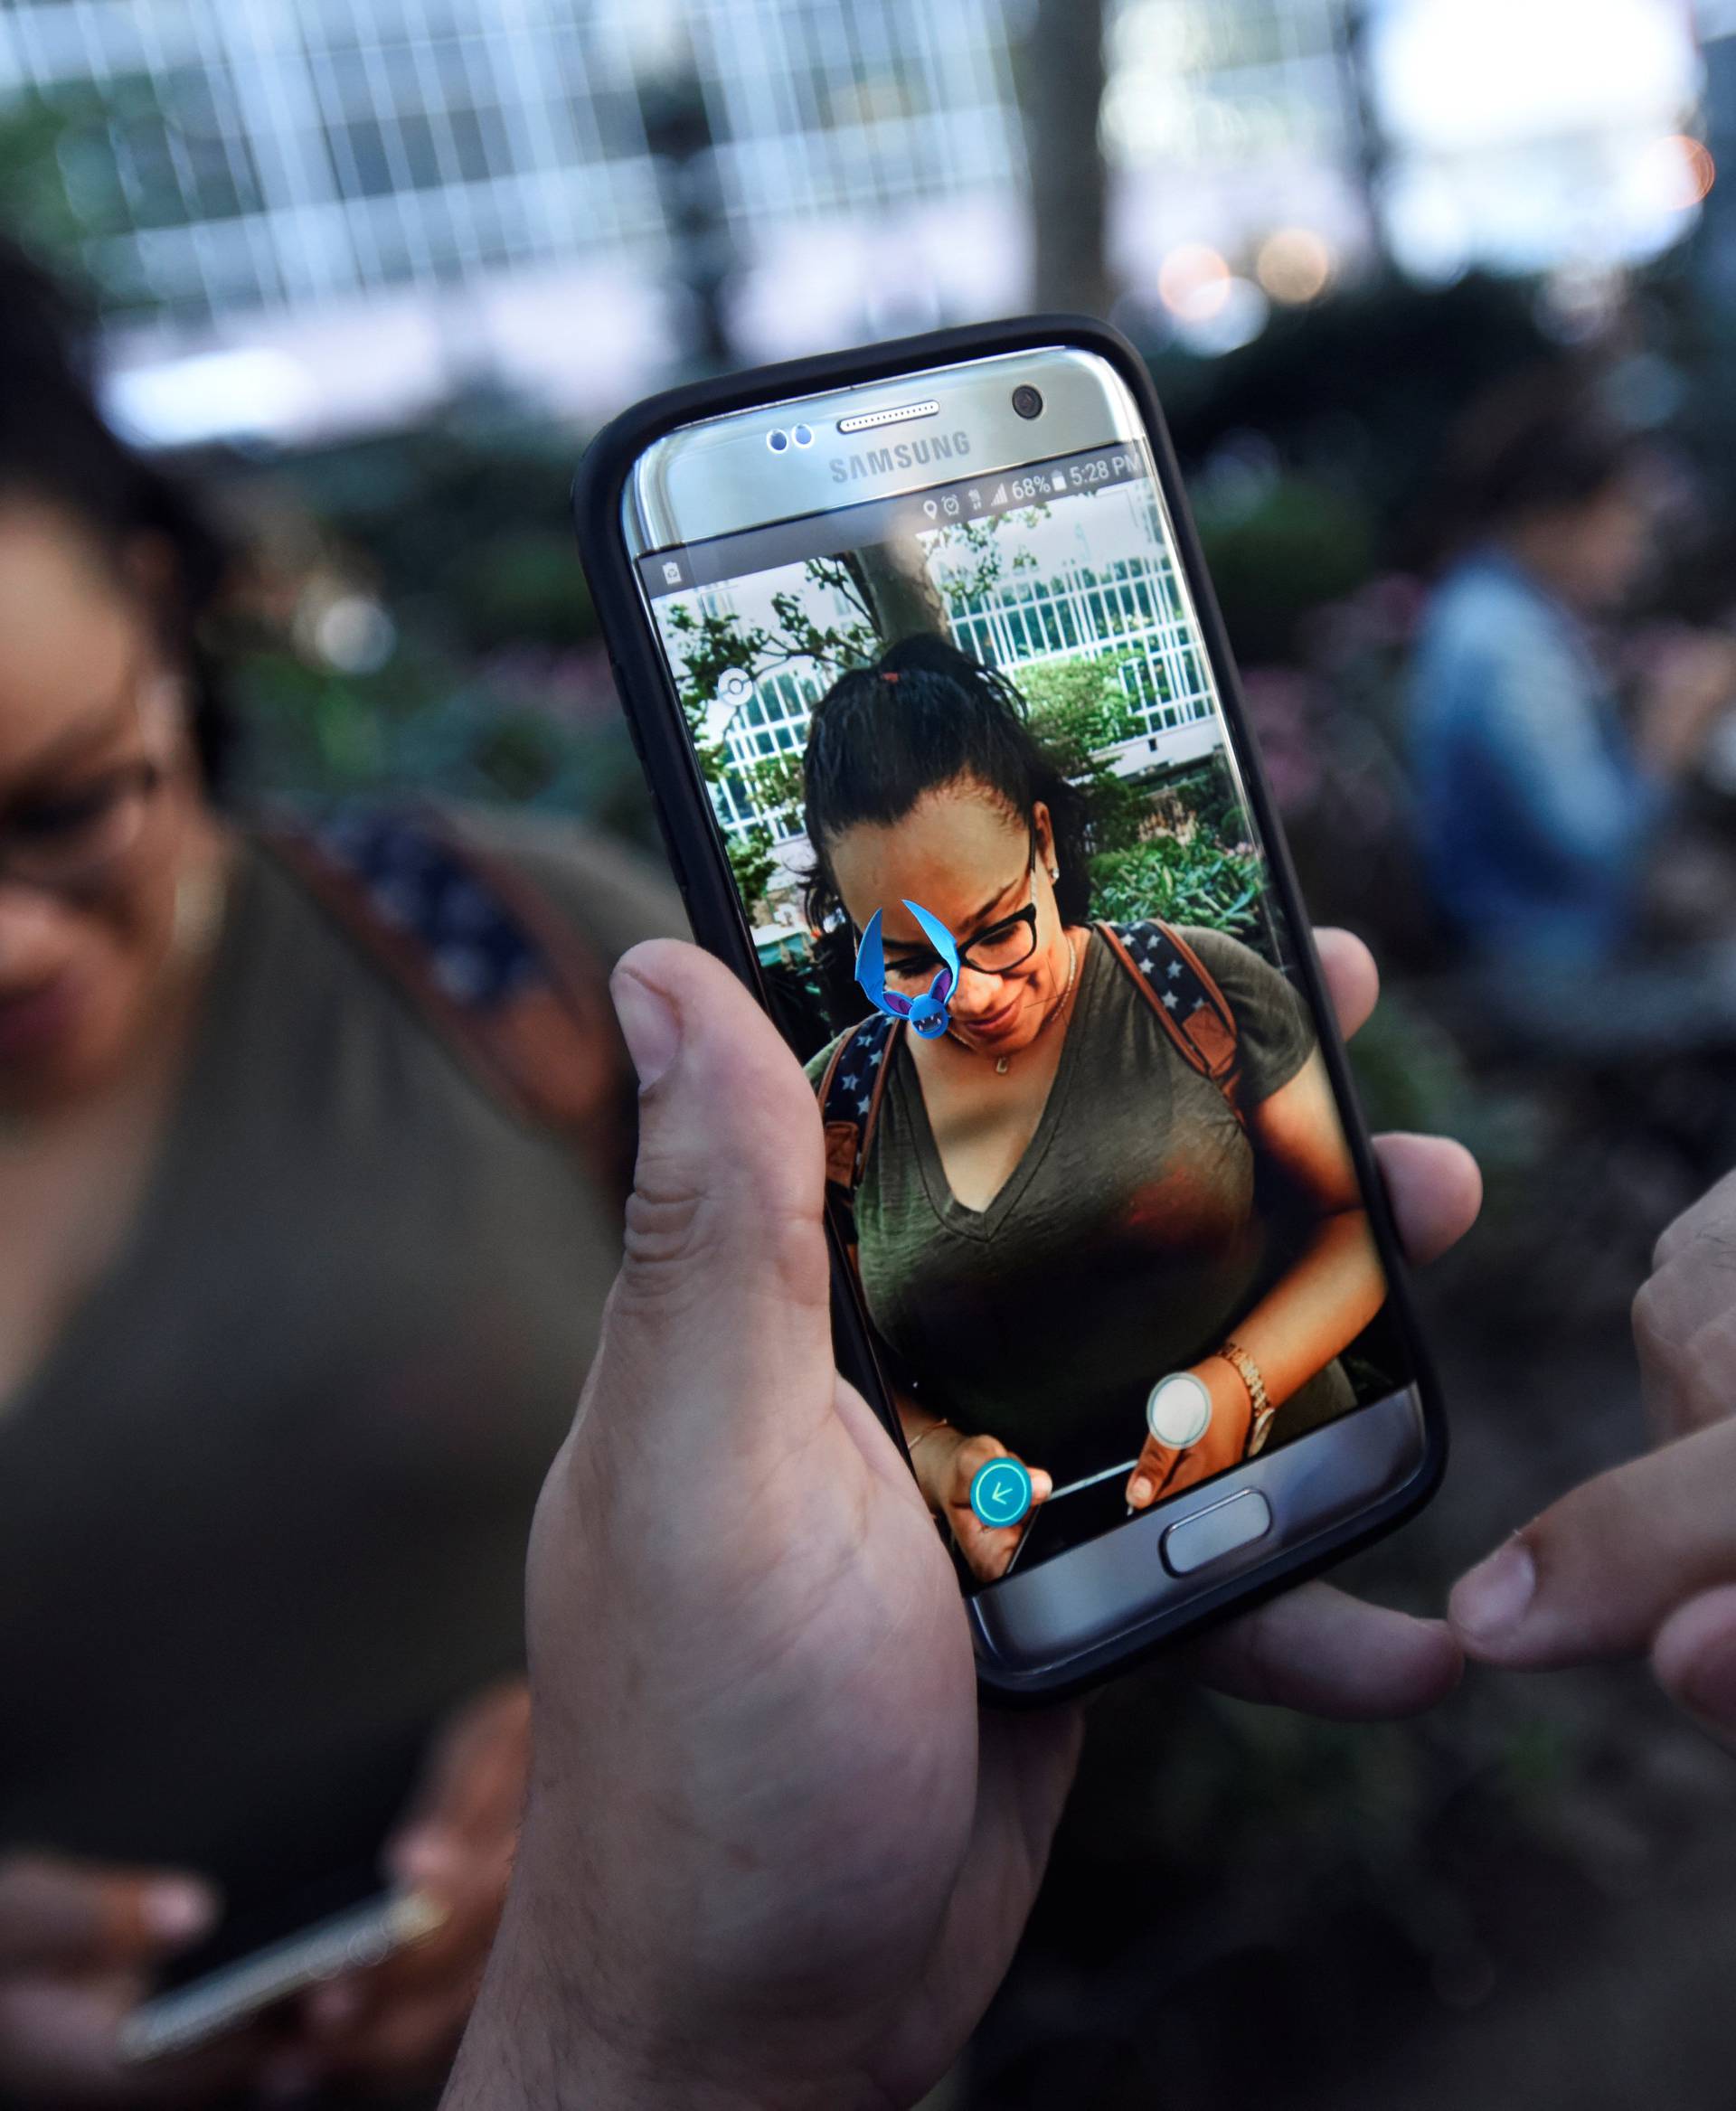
[(545, 1044)]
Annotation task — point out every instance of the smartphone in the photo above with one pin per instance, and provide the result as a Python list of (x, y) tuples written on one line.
[(921, 658), (223, 2000)]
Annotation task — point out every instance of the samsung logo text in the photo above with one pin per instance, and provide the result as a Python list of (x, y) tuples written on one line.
[(905, 454)]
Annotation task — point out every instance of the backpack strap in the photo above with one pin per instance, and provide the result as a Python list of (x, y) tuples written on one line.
[(506, 981), (1183, 994), (849, 1095)]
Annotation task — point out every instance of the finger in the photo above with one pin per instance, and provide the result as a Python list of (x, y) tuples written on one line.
[(723, 1294), (1151, 1471), (452, 1952), (1319, 1649), (1435, 1190), (1693, 1656), (1685, 1318), (1352, 980), (468, 1806), (59, 2044), (1596, 1573), (1713, 1218), (405, 2041), (57, 1915)]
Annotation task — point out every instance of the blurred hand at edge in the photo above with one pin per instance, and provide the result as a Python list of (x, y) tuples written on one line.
[(773, 1854), (400, 2022), (1642, 1560), (78, 1945)]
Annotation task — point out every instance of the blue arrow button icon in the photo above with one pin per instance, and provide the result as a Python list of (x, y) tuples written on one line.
[(1000, 1491)]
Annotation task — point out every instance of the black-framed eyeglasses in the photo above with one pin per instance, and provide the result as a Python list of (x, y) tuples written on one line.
[(67, 841), (1003, 947)]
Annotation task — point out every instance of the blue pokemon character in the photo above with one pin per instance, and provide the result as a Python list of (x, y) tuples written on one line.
[(928, 1015)]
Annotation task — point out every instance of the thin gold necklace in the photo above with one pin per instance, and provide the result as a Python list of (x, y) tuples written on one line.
[(1002, 1062)]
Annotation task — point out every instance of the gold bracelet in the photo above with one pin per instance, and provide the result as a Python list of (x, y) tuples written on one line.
[(910, 1444), (1248, 1371)]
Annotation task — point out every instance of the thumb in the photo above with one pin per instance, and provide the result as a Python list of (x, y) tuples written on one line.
[(58, 1916), (1598, 1573), (723, 1294)]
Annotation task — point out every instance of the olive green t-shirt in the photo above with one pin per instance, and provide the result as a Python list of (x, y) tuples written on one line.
[(1134, 1232), (263, 1509)]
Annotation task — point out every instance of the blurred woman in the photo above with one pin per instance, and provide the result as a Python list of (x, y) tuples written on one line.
[(293, 1313), (1055, 1207)]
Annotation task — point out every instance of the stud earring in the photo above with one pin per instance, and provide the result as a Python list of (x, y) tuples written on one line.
[(1055, 874)]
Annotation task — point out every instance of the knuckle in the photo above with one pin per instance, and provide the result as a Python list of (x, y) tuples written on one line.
[(1655, 1315), (676, 1235)]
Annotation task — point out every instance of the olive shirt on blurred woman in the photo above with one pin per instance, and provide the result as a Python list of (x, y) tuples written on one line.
[(263, 1509)]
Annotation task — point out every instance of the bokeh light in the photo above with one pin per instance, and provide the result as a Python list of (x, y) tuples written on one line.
[(1295, 265), (1678, 171), (1194, 282)]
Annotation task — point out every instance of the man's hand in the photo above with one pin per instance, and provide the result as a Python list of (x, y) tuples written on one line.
[(1643, 1558), (401, 2021), (78, 1944), (773, 1855)]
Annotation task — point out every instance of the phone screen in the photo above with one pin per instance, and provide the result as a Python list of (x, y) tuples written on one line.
[(967, 752)]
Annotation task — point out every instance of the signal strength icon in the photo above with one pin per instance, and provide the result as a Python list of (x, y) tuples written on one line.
[(1000, 496)]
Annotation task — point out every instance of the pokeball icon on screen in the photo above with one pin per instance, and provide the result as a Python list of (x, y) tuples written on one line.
[(1000, 1491), (735, 687)]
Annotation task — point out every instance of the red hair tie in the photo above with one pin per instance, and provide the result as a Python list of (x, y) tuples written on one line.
[(887, 675)]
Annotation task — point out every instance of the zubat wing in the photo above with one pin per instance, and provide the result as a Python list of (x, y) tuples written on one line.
[(941, 939), (870, 960), (870, 973)]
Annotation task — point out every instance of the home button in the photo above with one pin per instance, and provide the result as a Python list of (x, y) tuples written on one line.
[(1237, 1522)]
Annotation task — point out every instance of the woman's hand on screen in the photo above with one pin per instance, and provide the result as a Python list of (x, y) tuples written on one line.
[(772, 1852), (1161, 1469), (946, 1462)]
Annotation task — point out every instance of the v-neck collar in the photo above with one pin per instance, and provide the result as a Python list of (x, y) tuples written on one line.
[(985, 1223)]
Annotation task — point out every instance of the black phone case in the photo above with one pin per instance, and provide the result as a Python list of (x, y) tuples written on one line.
[(696, 857)]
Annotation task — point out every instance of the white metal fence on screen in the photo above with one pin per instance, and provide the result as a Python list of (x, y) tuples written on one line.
[(1131, 610)]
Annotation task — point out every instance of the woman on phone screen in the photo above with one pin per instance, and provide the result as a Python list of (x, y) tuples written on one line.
[(1055, 1206)]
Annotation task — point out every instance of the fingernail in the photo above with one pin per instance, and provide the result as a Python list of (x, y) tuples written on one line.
[(649, 1027), (1493, 1596), (1139, 1492), (178, 1910), (422, 1858)]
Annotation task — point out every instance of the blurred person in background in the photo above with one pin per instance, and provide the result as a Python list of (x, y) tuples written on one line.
[(292, 1310), (1544, 807)]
